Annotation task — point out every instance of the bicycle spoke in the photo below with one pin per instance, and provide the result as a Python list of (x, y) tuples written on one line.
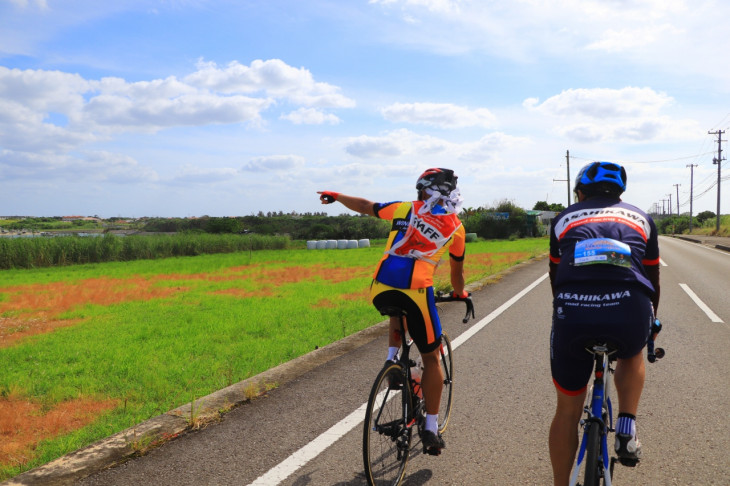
[(447, 394), (386, 438)]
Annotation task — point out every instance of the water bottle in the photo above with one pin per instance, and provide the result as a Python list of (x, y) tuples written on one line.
[(416, 372)]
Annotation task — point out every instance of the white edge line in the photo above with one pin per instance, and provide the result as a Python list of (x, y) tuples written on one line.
[(301, 457), (713, 317), (701, 245)]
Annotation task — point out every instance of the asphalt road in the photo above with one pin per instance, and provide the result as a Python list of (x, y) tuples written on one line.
[(308, 431)]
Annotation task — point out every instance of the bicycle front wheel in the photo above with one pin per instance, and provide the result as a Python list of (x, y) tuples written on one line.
[(593, 457), (447, 393), (386, 435)]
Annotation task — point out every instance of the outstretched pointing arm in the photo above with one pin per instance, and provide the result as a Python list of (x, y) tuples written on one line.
[(358, 204)]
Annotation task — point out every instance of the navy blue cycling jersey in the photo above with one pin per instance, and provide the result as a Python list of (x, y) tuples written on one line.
[(602, 239)]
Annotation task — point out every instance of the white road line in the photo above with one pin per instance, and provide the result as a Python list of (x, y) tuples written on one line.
[(713, 317), (664, 264), (700, 245), (289, 466)]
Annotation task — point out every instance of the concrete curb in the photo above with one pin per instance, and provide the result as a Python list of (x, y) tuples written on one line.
[(687, 238), (702, 242)]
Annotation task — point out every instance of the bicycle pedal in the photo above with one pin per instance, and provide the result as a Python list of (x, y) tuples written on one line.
[(628, 462)]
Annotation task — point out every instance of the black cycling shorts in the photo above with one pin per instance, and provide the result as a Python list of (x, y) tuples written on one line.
[(620, 314)]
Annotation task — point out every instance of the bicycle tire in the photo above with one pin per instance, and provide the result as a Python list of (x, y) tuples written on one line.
[(447, 393), (386, 437), (593, 456)]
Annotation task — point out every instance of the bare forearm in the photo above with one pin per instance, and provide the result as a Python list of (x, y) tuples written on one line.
[(457, 276), (357, 204)]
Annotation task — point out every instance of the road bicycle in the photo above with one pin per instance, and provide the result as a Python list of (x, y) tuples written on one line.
[(396, 405), (593, 454)]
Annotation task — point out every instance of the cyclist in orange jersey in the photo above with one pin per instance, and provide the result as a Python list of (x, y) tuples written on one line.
[(421, 233)]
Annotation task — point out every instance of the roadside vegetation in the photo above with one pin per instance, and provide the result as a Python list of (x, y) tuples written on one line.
[(90, 350), (705, 223), (40, 252)]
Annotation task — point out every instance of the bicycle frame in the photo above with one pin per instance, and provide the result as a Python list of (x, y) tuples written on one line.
[(390, 418), (599, 411)]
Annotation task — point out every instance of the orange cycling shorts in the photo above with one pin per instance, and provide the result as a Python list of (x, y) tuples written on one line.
[(419, 305)]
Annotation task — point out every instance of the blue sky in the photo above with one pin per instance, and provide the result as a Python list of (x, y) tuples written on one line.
[(192, 107)]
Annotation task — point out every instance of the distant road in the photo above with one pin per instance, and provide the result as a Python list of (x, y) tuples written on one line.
[(308, 431)]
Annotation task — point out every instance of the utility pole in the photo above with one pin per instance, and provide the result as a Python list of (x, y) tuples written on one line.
[(567, 164), (677, 186), (670, 203), (567, 160), (663, 210), (691, 189), (718, 161)]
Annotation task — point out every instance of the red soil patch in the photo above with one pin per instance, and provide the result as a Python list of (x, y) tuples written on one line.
[(23, 424), (34, 309)]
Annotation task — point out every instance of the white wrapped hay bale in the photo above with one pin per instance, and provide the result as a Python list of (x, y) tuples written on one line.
[(311, 245), (341, 244), (365, 243), (331, 244), (321, 244), (351, 244)]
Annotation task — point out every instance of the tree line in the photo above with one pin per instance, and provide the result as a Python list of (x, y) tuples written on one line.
[(501, 221)]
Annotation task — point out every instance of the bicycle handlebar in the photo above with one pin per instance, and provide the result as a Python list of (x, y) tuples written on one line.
[(654, 354), (450, 297)]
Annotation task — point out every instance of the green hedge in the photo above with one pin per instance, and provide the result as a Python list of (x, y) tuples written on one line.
[(70, 250)]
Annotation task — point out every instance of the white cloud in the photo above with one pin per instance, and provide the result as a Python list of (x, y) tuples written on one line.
[(42, 4), (603, 103), (394, 144), (273, 77), (440, 6), (626, 39), (310, 116), (98, 166), (601, 115), (675, 37), (274, 163), (489, 146), (632, 130), (430, 150), (443, 115), (58, 114)]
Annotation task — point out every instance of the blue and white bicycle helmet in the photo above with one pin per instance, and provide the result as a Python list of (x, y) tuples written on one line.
[(601, 172)]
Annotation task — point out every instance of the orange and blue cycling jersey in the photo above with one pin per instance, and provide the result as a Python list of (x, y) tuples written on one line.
[(416, 243), (603, 240)]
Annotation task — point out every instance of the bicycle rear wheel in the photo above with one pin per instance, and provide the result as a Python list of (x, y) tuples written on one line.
[(447, 393), (386, 436), (593, 457)]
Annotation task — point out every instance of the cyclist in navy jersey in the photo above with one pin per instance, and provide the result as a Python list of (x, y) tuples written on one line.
[(604, 272)]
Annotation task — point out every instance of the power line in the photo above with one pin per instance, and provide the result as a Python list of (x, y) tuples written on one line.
[(651, 161)]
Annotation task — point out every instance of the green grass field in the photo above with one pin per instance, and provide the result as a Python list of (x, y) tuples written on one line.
[(143, 337)]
